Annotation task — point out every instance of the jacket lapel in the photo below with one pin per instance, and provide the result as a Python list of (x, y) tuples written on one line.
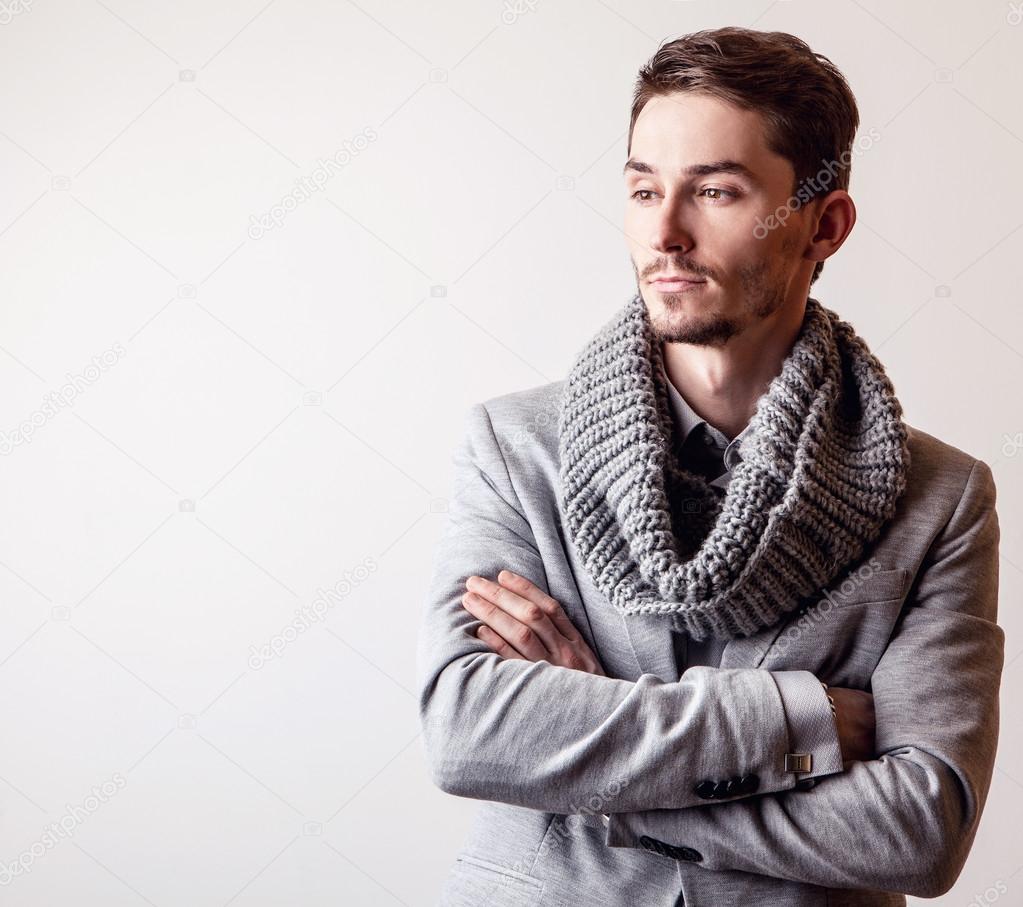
[(749, 651), (654, 648), (652, 644)]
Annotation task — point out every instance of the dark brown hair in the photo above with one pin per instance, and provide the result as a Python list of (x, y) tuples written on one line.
[(808, 109)]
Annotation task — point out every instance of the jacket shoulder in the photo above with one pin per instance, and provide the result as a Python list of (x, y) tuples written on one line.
[(524, 426), (526, 417), (930, 448), (939, 467)]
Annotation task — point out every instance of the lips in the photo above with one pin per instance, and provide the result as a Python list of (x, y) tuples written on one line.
[(677, 284), (677, 278)]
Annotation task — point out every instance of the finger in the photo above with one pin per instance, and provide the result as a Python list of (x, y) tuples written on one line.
[(528, 590), (524, 610), (515, 633), (571, 649), (497, 643)]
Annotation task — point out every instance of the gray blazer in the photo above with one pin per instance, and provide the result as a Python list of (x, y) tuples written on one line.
[(551, 749)]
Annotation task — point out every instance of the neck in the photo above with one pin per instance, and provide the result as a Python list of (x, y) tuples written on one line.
[(723, 384)]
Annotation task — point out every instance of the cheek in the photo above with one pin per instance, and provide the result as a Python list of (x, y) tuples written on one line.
[(731, 244), (776, 252)]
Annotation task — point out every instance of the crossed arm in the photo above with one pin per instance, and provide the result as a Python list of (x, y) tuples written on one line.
[(547, 736)]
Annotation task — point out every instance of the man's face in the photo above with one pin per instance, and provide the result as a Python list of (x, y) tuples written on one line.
[(684, 217)]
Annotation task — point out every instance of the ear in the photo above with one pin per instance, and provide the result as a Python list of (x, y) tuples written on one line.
[(835, 217)]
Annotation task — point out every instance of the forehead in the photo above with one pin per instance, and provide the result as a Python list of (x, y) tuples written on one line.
[(677, 130)]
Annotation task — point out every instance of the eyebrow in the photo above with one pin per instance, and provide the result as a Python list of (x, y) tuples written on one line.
[(722, 166)]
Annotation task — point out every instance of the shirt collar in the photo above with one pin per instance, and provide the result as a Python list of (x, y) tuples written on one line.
[(687, 420)]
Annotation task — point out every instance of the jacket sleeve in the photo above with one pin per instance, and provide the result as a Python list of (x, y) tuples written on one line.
[(550, 738), (904, 821)]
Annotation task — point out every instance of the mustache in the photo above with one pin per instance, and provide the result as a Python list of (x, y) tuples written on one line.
[(675, 265)]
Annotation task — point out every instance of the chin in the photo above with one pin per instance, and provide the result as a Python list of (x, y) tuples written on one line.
[(704, 327), (670, 303)]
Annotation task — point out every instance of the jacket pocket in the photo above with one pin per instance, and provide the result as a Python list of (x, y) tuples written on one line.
[(474, 881), (854, 589), (843, 633)]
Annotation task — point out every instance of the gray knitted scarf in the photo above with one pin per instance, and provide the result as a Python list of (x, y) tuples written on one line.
[(822, 467)]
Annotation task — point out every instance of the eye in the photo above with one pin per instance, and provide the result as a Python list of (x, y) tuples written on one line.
[(641, 192), (721, 192)]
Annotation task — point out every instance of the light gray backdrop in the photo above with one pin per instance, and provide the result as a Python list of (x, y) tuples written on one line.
[(257, 260)]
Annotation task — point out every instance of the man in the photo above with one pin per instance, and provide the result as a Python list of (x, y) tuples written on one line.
[(710, 623)]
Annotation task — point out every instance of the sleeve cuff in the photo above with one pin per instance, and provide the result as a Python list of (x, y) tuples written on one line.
[(812, 728)]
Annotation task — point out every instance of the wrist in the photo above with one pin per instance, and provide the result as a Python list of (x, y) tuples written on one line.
[(831, 700)]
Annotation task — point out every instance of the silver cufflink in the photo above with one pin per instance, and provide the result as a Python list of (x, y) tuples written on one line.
[(798, 762)]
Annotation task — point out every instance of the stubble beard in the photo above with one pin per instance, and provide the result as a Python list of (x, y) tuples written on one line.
[(763, 293)]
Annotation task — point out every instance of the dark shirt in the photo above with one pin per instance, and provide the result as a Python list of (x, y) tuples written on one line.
[(704, 450), (812, 729)]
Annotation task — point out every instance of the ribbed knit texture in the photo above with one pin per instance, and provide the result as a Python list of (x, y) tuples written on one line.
[(820, 475)]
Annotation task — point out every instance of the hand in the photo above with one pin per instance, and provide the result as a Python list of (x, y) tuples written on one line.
[(522, 621), (855, 720)]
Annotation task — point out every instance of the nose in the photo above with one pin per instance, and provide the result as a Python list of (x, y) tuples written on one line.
[(669, 234)]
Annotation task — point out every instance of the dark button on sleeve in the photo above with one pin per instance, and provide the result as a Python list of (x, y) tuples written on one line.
[(749, 783), (733, 787), (688, 854), (721, 790), (651, 844), (705, 789), (670, 850)]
